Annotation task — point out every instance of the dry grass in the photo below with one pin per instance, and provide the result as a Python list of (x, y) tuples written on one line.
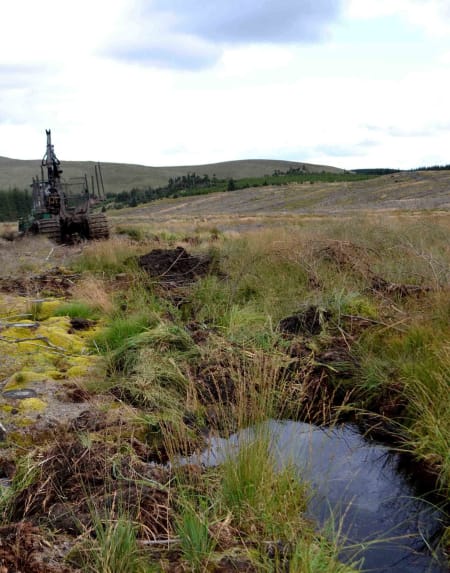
[(93, 290), (32, 255), (8, 231)]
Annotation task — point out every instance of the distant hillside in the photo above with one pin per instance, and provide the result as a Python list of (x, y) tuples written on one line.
[(119, 177), (405, 191)]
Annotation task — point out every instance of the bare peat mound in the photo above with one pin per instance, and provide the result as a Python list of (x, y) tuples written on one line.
[(23, 548), (53, 282), (309, 321), (74, 484), (174, 266)]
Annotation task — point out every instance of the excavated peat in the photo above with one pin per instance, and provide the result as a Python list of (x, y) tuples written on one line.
[(73, 478), (53, 282), (24, 549), (174, 266)]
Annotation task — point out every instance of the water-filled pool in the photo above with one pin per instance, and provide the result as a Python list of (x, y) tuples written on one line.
[(357, 490)]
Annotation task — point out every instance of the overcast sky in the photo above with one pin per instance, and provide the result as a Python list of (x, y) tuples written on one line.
[(350, 83)]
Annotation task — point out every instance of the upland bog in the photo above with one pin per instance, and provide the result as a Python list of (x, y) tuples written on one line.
[(124, 358)]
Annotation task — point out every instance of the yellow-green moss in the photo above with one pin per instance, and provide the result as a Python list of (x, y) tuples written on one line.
[(362, 306), (21, 439), (77, 372), (91, 333), (81, 365), (55, 374), (62, 322), (17, 333), (85, 360), (32, 405), (56, 330), (7, 408), (51, 353), (43, 309), (23, 422), (10, 305), (21, 379)]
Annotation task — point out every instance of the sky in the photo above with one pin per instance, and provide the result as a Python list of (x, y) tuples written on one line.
[(348, 83)]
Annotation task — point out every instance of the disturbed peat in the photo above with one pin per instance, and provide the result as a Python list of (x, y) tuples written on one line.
[(25, 547), (174, 266), (54, 282), (311, 327), (71, 479)]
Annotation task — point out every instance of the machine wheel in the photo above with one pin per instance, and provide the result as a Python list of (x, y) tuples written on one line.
[(98, 226), (50, 228)]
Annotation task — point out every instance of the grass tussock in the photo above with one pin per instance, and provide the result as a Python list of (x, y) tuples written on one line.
[(78, 309), (120, 330), (93, 292), (122, 339), (417, 359), (428, 390), (192, 527), (114, 548), (260, 497), (250, 502), (26, 474), (107, 258)]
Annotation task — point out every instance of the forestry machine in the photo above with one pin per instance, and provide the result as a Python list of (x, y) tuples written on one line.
[(64, 210)]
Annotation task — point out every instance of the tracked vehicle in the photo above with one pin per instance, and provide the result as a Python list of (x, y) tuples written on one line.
[(65, 211)]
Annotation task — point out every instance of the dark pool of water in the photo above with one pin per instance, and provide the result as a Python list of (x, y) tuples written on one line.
[(357, 490)]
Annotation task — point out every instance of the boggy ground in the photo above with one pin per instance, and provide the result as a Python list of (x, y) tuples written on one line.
[(186, 335)]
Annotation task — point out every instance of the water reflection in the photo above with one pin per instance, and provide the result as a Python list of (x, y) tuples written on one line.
[(357, 491)]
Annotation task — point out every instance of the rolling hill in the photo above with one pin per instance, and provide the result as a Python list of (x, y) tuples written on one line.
[(121, 176)]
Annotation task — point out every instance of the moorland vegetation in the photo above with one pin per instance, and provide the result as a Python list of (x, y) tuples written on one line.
[(200, 331)]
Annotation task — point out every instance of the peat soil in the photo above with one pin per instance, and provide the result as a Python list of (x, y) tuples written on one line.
[(54, 282), (76, 487), (174, 266), (80, 484)]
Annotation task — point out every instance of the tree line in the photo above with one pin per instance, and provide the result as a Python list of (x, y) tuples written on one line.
[(180, 186), (14, 203)]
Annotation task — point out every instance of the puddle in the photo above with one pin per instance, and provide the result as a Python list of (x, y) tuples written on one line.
[(357, 490), (20, 394)]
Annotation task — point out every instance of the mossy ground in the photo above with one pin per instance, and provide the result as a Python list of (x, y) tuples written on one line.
[(40, 349)]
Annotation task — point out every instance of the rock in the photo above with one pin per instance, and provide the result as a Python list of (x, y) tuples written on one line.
[(2, 433), (22, 394)]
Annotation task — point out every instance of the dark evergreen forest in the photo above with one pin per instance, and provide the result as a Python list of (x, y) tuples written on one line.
[(14, 203)]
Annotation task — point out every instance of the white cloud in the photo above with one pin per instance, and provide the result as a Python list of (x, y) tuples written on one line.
[(180, 94), (50, 31), (433, 16), (252, 20), (192, 34)]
